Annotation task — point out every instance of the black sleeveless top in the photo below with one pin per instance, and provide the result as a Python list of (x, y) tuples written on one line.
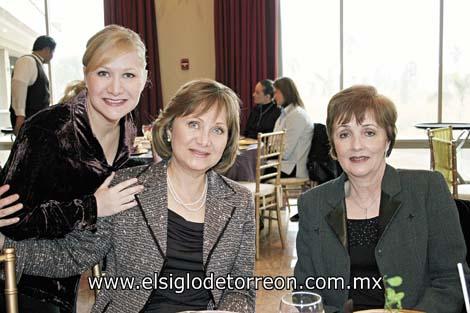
[(184, 259)]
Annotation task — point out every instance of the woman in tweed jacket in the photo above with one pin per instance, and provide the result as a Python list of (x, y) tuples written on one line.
[(189, 220)]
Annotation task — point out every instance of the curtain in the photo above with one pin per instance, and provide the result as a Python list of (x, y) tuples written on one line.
[(140, 16), (245, 46)]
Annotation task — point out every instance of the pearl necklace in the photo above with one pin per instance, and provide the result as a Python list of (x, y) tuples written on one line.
[(178, 200)]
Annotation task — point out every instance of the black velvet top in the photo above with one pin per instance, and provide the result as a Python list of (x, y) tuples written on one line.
[(184, 257), (56, 164)]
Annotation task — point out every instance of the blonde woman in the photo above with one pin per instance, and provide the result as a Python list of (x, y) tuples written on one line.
[(62, 161)]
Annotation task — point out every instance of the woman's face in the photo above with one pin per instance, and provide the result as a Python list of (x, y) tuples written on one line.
[(361, 148), (279, 97), (199, 140), (114, 88)]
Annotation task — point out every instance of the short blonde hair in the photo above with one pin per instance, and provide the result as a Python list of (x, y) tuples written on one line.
[(106, 45), (199, 96), (358, 100)]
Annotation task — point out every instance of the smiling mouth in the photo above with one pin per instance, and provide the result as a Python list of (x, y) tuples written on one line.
[(114, 102), (200, 154), (359, 158)]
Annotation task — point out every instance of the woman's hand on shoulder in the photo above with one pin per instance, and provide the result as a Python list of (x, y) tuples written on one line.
[(7, 209), (112, 200)]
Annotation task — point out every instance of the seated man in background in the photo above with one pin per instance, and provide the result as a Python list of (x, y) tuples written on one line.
[(266, 112)]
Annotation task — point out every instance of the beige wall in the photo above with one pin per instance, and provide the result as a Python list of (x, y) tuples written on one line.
[(185, 30)]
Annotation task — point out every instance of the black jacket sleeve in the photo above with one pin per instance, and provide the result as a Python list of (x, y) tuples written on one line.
[(31, 171)]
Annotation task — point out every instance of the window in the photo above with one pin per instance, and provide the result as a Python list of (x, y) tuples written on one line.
[(71, 34), (310, 51), (392, 45), (456, 59), (70, 24), (31, 13), (400, 58)]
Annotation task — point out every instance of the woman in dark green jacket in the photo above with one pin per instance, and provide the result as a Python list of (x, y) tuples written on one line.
[(375, 221)]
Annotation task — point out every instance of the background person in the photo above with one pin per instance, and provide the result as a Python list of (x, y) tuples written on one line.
[(30, 85), (61, 158), (298, 126), (262, 117), (375, 220), (189, 219)]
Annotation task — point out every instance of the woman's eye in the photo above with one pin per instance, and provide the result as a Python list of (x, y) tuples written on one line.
[(219, 130), (103, 73), (128, 75), (370, 133), (343, 135), (193, 124)]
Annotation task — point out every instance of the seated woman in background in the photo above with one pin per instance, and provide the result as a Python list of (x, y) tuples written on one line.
[(189, 220), (298, 126), (264, 115), (64, 153), (375, 220)]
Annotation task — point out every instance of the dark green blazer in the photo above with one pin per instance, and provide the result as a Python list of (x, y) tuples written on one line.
[(421, 240)]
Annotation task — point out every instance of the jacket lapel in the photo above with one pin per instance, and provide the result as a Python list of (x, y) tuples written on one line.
[(336, 218), (218, 212), (337, 221), (155, 208), (390, 202)]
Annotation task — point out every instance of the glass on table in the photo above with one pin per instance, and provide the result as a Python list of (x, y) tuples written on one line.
[(301, 302), (147, 131)]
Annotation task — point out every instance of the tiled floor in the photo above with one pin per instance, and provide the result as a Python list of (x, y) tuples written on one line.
[(273, 261)]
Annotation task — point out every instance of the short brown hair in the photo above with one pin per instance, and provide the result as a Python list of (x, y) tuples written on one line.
[(199, 96), (289, 92), (358, 100)]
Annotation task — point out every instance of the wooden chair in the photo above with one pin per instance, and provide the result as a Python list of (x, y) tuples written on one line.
[(292, 187), (444, 160), (96, 272), (268, 197), (11, 292)]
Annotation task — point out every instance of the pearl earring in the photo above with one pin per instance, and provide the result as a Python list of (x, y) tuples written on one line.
[(168, 136)]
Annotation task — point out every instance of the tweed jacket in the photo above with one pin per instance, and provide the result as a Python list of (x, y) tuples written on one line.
[(421, 240), (135, 243), (298, 139)]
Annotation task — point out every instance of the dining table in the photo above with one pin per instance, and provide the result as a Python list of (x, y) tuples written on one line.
[(457, 126), (244, 167), (141, 152)]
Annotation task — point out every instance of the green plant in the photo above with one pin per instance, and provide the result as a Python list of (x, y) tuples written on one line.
[(392, 297)]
